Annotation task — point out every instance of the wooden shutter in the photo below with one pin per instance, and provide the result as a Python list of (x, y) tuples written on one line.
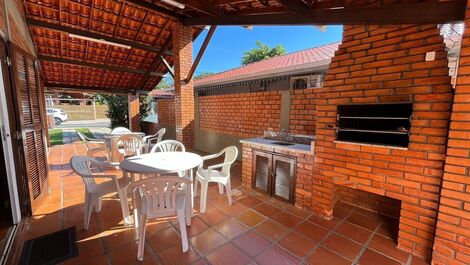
[(29, 95)]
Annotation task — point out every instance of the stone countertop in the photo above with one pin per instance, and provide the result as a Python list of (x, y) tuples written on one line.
[(299, 148)]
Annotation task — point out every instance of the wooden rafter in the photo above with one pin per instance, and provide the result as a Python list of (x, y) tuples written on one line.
[(167, 66), (204, 7), (200, 53), (96, 65), (62, 87), (154, 63), (156, 8), (296, 6), (428, 12), (57, 27)]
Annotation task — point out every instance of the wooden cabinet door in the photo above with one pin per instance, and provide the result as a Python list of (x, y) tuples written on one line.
[(283, 178), (261, 176), (29, 96)]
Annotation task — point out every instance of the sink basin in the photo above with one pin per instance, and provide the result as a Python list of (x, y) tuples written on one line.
[(283, 143)]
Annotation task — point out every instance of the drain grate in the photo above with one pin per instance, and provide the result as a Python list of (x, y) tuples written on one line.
[(51, 248)]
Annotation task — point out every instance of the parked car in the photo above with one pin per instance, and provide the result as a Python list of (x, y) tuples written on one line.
[(58, 114)]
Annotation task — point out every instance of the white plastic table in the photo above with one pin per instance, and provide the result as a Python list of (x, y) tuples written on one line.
[(111, 144), (162, 163)]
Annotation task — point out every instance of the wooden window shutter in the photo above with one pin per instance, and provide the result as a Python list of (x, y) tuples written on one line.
[(29, 96)]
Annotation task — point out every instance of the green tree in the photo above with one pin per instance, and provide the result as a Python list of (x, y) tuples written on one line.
[(165, 83), (202, 75), (262, 52), (118, 108)]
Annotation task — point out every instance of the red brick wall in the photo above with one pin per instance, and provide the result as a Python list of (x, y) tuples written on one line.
[(302, 111), (244, 114), (166, 111), (381, 64), (184, 92), (452, 241)]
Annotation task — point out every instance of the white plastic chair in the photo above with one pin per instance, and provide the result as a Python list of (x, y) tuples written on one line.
[(159, 198), (151, 140), (130, 144), (94, 191), (93, 145), (211, 174), (120, 130), (168, 146)]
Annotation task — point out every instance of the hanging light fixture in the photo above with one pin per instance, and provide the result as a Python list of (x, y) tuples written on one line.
[(174, 3)]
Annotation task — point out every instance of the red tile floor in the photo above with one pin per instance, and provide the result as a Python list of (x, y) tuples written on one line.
[(256, 229)]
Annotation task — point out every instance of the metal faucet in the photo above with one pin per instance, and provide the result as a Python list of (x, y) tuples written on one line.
[(288, 137)]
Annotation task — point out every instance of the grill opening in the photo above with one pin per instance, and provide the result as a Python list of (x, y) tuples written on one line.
[(384, 124)]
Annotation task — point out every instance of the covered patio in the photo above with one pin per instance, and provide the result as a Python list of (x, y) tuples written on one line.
[(355, 196)]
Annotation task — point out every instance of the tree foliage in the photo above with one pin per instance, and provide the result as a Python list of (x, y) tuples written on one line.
[(262, 52), (118, 108)]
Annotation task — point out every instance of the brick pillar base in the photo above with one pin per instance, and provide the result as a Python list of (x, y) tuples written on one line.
[(134, 112), (184, 91)]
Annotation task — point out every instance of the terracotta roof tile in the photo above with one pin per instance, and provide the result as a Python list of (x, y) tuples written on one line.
[(312, 55)]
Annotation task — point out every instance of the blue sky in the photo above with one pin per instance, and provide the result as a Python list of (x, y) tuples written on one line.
[(229, 42)]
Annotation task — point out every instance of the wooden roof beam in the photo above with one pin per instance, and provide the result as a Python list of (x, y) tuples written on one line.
[(155, 8), (200, 53), (204, 7), (428, 12), (66, 87), (89, 34), (155, 62), (95, 65), (296, 6)]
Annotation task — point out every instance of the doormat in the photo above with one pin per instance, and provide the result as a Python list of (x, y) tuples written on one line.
[(51, 248)]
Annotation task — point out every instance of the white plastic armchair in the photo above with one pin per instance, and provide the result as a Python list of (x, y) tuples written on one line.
[(168, 146), (130, 144), (94, 192), (219, 173), (151, 140), (160, 198), (93, 146), (120, 130)]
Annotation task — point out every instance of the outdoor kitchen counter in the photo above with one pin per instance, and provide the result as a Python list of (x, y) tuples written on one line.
[(268, 145)]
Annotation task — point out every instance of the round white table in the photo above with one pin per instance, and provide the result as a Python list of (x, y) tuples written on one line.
[(163, 163), (111, 144)]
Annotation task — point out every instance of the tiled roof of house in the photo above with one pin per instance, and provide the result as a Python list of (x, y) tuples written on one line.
[(308, 56)]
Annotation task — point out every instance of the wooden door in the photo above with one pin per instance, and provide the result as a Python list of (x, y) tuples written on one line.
[(283, 178), (261, 176), (29, 98)]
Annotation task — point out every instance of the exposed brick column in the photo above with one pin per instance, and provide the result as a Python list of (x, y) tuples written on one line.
[(134, 112), (452, 238), (184, 92)]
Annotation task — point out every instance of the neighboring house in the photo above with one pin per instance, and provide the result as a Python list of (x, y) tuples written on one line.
[(295, 70)]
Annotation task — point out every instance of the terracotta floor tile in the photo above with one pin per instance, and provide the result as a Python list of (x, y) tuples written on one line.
[(213, 216), (176, 256), (266, 209), (389, 228), (272, 230), (227, 255), (86, 260), (153, 226), (251, 218), (354, 232), (328, 224), (297, 244), (276, 256), (322, 256), (362, 221), (312, 231), (126, 254), (343, 246), (235, 209), (249, 201), (302, 213), (164, 239), (342, 211), (119, 236), (371, 257), (388, 247), (199, 262), (252, 243), (287, 219), (197, 226), (231, 228), (208, 241)]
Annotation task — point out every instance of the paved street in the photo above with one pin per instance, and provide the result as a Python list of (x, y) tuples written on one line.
[(105, 123)]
